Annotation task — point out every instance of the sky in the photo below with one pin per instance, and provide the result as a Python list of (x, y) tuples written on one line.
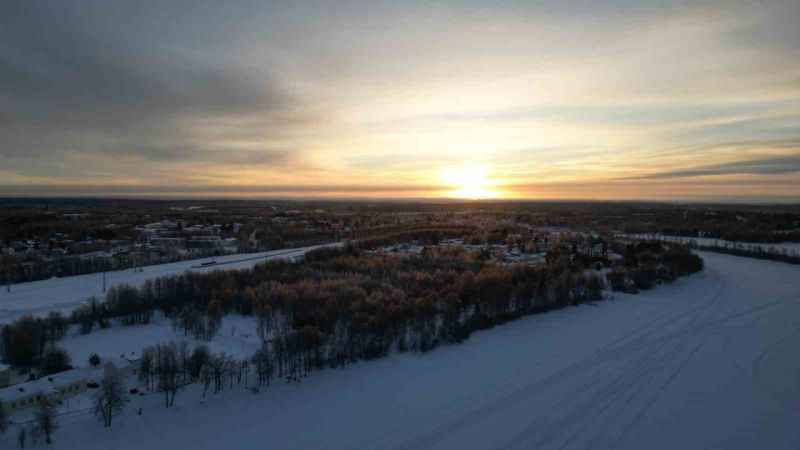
[(619, 100)]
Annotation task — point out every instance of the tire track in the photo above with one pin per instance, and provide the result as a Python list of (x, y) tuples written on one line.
[(526, 393)]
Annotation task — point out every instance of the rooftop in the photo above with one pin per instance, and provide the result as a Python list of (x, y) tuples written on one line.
[(49, 383)]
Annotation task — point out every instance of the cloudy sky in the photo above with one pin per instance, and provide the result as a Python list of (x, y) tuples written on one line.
[(510, 99)]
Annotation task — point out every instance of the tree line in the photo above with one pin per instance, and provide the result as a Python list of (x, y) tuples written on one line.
[(345, 304)]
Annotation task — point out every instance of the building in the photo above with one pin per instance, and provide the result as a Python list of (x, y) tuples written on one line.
[(53, 388), (57, 387)]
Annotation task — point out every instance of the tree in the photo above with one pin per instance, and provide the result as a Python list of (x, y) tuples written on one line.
[(168, 370), (8, 262), (264, 367), (94, 360), (22, 436), (3, 419), (55, 360), (23, 341), (46, 419), (110, 399), (198, 359), (146, 367)]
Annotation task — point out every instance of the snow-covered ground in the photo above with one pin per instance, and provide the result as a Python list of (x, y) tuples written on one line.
[(64, 294), (237, 337), (709, 362)]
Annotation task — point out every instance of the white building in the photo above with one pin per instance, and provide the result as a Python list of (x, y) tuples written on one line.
[(59, 386), (53, 388)]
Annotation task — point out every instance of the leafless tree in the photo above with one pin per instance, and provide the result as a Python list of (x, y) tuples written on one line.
[(110, 399), (46, 419), (262, 361), (3, 419), (146, 367), (168, 371)]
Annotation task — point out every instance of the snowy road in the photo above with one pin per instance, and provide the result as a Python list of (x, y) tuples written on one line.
[(64, 294), (710, 362)]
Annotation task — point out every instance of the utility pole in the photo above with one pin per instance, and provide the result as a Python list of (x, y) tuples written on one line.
[(104, 281)]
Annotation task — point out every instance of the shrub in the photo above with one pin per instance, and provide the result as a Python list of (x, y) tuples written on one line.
[(54, 361)]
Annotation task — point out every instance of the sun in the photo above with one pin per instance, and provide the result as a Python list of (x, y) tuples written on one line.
[(468, 181)]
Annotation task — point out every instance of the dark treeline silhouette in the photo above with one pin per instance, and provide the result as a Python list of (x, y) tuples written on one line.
[(649, 262), (30, 342), (737, 235), (752, 251), (749, 250)]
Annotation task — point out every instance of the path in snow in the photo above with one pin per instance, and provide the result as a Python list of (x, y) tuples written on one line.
[(65, 294), (708, 362)]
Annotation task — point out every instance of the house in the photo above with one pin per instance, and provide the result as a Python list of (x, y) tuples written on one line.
[(53, 388), (57, 387)]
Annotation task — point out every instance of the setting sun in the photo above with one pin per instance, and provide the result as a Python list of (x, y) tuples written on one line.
[(468, 182)]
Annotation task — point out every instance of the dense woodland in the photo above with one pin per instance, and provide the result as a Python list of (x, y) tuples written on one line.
[(344, 305)]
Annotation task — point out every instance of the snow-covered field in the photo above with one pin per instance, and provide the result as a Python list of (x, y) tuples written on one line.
[(64, 294), (237, 337), (709, 362)]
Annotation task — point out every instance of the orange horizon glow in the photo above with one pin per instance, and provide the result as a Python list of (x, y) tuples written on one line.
[(523, 100)]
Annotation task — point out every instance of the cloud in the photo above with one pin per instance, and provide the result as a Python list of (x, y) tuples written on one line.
[(62, 190), (70, 89), (282, 94), (762, 166)]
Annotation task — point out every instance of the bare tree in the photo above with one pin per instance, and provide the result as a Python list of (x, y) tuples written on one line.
[(22, 436), (46, 419), (263, 364), (146, 368), (3, 419), (8, 262), (110, 399), (198, 359), (168, 371)]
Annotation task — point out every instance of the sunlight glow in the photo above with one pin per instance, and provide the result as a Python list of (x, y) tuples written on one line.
[(468, 182)]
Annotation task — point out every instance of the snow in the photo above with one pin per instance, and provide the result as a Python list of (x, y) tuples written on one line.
[(708, 362), (46, 384), (65, 294), (237, 337)]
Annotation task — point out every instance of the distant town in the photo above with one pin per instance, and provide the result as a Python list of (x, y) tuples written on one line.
[(64, 238)]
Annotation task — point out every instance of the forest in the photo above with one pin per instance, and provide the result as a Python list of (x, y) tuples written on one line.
[(344, 304)]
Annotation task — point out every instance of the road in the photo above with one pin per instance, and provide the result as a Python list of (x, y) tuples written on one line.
[(64, 294)]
